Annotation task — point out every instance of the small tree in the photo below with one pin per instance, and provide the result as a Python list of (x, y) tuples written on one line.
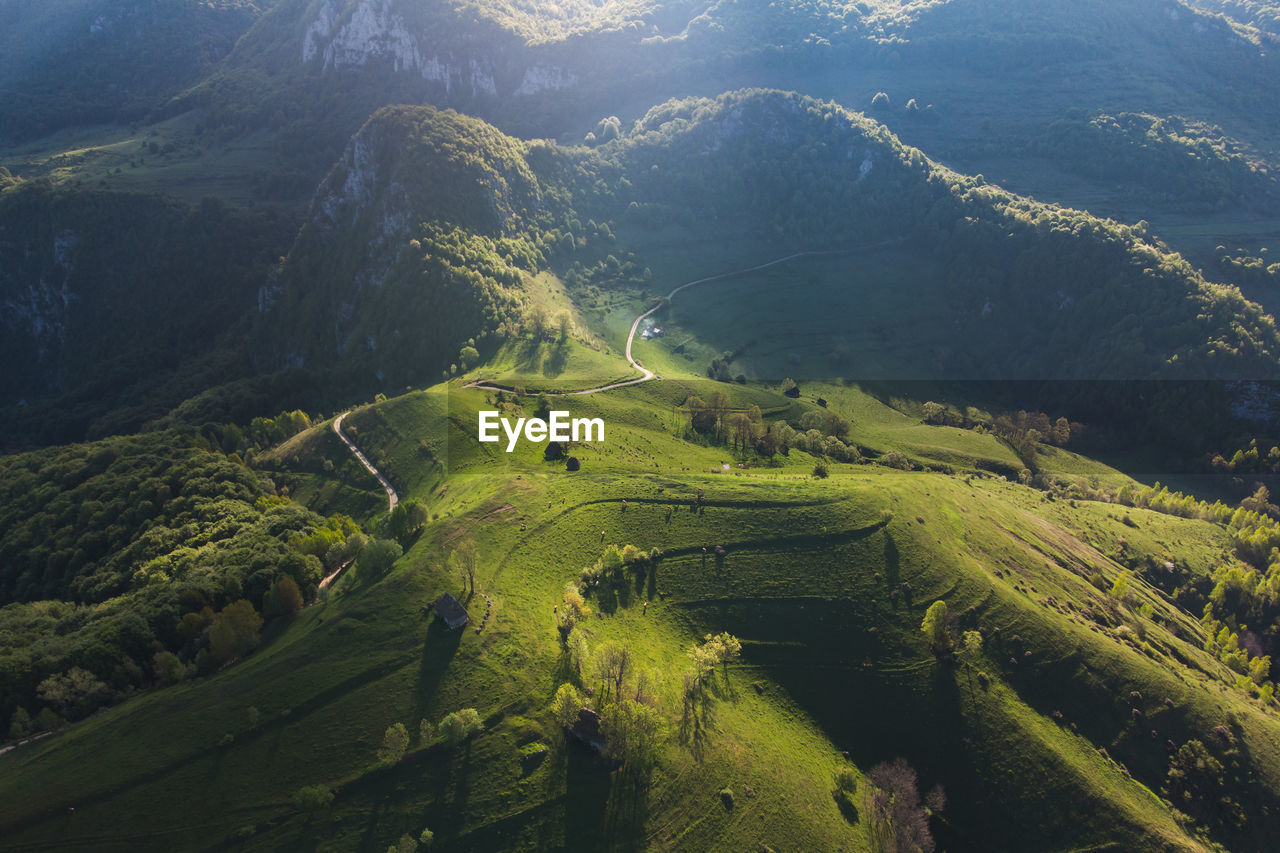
[(880, 102), (395, 741), (167, 668), (234, 632), (427, 838), (458, 726), (312, 798), (377, 557), (567, 703), (936, 629), (20, 725)]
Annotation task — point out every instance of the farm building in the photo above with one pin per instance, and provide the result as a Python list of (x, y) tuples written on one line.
[(451, 612), (587, 729)]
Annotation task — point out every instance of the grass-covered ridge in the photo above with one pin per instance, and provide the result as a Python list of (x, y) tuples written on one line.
[(1042, 739)]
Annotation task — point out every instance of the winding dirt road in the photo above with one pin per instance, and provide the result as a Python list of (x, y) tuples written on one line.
[(392, 497), (646, 373)]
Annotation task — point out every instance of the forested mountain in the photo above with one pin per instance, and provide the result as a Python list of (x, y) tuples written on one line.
[(1035, 291), (76, 62), (117, 306)]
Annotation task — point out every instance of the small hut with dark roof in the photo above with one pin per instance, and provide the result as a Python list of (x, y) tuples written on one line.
[(587, 729), (451, 612), (573, 464)]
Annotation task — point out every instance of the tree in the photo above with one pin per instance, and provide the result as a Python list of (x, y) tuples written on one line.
[(970, 652), (406, 844), (288, 596), (426, 731), (468, 356), (74, 694), (458, 726), (632, 734), (564, 325), (395, 741), (820, 471), (234, 632), (20, 724), (426, 838), (167, 669), (312, 798), (934, 413), (567, 703), (880, 102), (464, 561), (612, 663), (1120, 589), (537, 320), (378, 557), (936, 629)]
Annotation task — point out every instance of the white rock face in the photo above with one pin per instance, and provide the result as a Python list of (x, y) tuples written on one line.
[(374, 30), (544, 78), (41, 309)]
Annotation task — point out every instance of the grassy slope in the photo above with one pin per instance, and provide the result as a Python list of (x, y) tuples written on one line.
[(809, 571)]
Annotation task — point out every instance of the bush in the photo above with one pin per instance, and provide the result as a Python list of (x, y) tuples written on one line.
[(726, 797), (312, 798), (820, 471)]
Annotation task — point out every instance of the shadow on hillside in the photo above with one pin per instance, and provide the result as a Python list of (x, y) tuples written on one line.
[(603, 809), (437, 653)]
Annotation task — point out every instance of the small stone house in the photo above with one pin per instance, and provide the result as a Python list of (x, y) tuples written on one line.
[(451, 612)]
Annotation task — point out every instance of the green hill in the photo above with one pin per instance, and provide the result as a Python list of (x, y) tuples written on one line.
[(1044, 739)]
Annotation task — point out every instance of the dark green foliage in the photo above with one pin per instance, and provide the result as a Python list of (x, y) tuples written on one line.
[(1182, 163), (119, 303), (91, 62), (119, 560), (312, 798), (378, 556)]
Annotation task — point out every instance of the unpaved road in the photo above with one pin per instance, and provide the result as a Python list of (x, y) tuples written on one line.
[(646, 373), (392, 497)]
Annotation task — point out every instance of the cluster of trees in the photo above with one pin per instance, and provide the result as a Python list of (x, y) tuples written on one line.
[(140, 561), (1250, 272), (615, 561), (453, 729), (1175, 160), (1249, 460), (897, 816), (821, 432), (631, 722)]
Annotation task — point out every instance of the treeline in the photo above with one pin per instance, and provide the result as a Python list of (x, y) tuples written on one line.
[(138, 561), (1176, 161), (1241, 612)]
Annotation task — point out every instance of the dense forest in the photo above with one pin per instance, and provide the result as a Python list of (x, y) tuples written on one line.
[(138, 561), (117, 306)]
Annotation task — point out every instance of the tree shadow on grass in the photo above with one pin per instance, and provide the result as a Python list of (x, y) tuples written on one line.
[(604, 809)]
